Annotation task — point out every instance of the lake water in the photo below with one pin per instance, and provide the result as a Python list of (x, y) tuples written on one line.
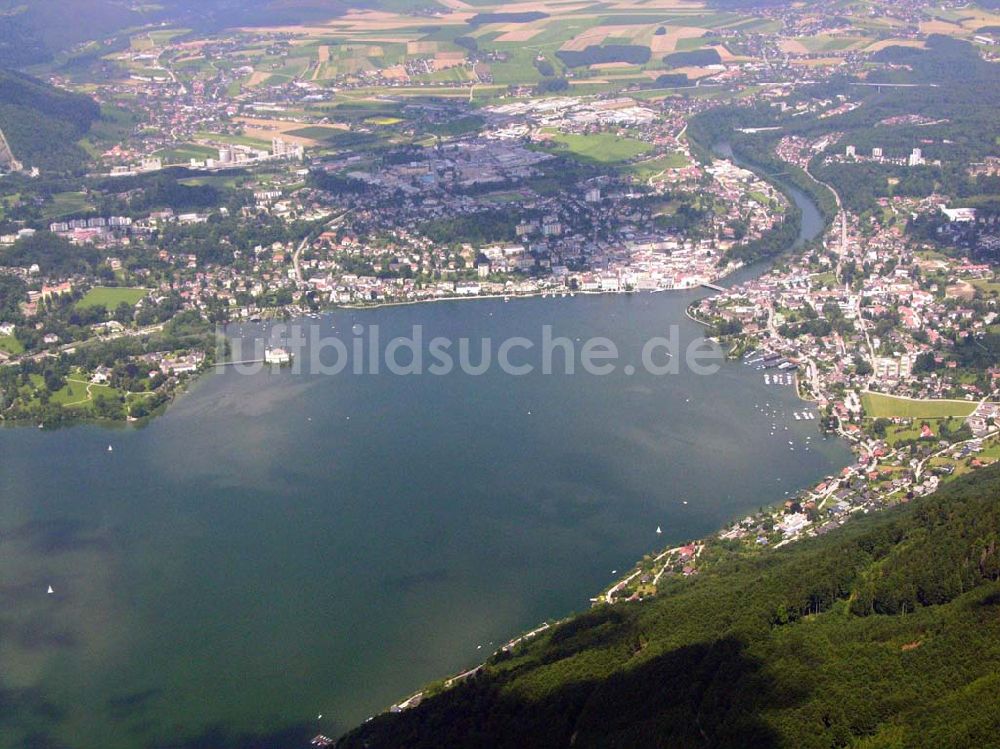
[(282, 545)]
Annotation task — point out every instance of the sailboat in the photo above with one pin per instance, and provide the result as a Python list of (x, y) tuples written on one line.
[(110, 448), (658, 530), (50, 590)]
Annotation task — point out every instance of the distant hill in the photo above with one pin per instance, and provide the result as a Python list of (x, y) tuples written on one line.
[(31, 32), (42, 124), (883, 633), (35, 31)]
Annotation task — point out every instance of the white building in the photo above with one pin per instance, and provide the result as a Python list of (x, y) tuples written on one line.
[(277, 355)]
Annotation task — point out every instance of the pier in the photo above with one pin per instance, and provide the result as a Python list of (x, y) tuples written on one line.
[(712, 286), (238, 363)]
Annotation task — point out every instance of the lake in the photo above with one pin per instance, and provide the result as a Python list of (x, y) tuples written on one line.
[(281, 546)]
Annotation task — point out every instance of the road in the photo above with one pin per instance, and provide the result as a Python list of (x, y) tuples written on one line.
[(305, 243)]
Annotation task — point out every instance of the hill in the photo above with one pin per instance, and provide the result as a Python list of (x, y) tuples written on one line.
[(36, 31), (885, 632), (41, 123), (32, 32)]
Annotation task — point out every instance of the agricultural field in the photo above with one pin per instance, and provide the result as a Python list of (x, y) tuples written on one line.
[(110, 297), (879, 406), (392, 46)]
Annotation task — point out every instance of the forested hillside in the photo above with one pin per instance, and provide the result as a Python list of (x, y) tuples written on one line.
[(885, 633), (30, 32), (43, 123)]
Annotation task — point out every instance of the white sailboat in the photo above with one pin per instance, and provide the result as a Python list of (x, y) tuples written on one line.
[(110, 448), (658, 531), (50, 590)]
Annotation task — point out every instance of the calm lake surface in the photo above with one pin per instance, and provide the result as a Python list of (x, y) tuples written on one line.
[(283, 546)]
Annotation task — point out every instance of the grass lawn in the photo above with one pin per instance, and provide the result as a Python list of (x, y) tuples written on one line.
[(604, 148), (237, 140), (66, 204), (183, 153), (110, 297), (829, 278), (10, 344), (989, 288), (878, 406)]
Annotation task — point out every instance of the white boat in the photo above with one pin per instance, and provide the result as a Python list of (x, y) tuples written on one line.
[(50, 590), (658, 531), (110, 448)]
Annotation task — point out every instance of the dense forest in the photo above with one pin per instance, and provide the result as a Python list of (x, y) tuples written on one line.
[(963, 102), (596, 54), (884, 633), (480, 19), (695, 57), (42, 124)]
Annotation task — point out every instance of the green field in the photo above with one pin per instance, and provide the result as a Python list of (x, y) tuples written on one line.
[(184, 152), (110, 297), (989, 288), (237, 140), (604, 148), (652, 167), (317, 132), (10, 344), (878, 406), (66, 204)]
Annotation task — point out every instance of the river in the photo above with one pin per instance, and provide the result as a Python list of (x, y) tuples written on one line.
[(281, 546)]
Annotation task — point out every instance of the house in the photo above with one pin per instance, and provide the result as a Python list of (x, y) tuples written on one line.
[(277, 355)]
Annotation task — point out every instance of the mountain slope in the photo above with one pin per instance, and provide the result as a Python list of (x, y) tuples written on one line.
[(30, 32), (883, 633), (42, 124)]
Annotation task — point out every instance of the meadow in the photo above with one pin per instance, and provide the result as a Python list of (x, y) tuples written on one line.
[(110, 297), (879, 406)]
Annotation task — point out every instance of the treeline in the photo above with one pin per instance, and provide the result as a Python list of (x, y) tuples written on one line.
[(551, 85), (595, 54), (883, 633), (672, 80)]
